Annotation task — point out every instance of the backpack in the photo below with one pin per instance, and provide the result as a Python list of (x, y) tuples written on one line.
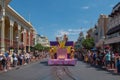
[(13, 56)]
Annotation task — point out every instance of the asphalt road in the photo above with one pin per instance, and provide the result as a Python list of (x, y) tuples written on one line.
[(41, 71)]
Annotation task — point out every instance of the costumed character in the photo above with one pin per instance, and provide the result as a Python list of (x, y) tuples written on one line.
[(72, 53), (68, 52), (53, 53)]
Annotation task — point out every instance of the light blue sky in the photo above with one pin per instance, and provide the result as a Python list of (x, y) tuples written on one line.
[(52, 18)]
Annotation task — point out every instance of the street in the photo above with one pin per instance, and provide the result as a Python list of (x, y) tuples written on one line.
[(41, 71)]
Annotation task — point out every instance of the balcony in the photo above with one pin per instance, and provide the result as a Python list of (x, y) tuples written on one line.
[(113, 30)]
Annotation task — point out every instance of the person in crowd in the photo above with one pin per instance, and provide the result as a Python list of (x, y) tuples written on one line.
[(102, 55), (20, 59), (1, 57), (94, 57), (118, 64), (27, 57), (8, 57), (98, 61), (112, 60), (89, 56), (108, 58), (15, 59), (117, 61), (6, 54), (4, 63)]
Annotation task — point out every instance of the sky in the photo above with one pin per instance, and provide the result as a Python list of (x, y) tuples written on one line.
[(54, 18)]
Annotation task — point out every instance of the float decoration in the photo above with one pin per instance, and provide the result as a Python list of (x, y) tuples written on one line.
[(62, 52)]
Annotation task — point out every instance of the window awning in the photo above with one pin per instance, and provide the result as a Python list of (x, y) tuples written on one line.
[(112, 40), (113, 30)]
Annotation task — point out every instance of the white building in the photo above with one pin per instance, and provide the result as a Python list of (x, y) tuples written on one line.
[(43, 40), (15, 31)]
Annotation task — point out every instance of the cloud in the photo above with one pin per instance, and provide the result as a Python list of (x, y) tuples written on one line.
[(70, 32), (74, 30), (61, 33), (85, 7), (73, 34)]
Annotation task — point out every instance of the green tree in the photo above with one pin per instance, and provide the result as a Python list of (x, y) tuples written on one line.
[(88, 43), (46, 48), (38, 47)]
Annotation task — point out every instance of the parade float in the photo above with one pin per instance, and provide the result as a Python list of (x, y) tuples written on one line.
[(61, 52)]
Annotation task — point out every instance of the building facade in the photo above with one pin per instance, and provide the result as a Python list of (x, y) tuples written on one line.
[(43, 40), (15, 31), (113, 33), (90, 33), (101, 29)]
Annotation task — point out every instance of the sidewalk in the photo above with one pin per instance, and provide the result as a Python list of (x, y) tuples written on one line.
[(112, 71)]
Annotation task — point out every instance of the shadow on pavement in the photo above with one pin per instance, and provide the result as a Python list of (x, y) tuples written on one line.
[(99, 68), (45, 63)]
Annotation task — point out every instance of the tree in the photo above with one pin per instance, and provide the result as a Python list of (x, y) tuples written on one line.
[(46, 48), (39, 47), (88, 43), (78, 45)]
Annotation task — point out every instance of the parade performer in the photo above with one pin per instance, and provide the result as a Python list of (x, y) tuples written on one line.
[(52, 53), (68, 52), (72, 53)]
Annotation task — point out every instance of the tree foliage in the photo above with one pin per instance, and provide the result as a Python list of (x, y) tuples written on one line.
[(88, 43), (39, 47)]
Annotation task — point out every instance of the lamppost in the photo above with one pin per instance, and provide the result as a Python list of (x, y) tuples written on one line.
[(17, 44)]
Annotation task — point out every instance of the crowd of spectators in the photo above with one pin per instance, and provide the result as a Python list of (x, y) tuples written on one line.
[(107, 59), (9, 59)]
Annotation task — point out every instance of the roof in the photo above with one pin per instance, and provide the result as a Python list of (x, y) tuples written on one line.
[(116, 5)]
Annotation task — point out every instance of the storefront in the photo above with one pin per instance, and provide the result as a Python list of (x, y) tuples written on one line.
[(114, 43)]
